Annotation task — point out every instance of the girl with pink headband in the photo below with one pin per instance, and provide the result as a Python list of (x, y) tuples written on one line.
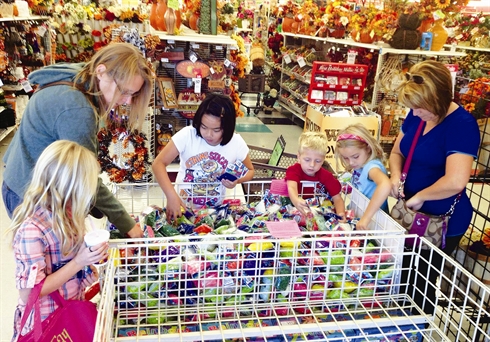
[(360, 153)]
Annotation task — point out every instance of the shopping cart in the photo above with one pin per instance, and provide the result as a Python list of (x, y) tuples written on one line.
[(339, 287)]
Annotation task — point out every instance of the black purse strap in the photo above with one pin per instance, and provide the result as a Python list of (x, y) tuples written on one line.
[(406, 166)]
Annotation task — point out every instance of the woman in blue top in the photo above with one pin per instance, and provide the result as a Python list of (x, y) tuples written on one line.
[(360, 153), (443, 156)]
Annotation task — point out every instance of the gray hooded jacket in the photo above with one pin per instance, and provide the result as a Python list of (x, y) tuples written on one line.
[(55, 113)]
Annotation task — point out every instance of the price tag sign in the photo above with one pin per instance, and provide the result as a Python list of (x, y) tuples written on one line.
[(1, 83), (173, 4), (211, 70), (197, 85), (301, 61), (227, 63), (287, 59), (219, 47), (195, 46), (26, 85), (41, 30), (351, 57), (164, 60), (193, 58), (170, 41)]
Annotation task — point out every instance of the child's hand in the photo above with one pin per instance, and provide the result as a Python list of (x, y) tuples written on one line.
[(342, 218), (228, 183), (362, 224), (91, 277), (92, 255), (174, 210), (301, 205)]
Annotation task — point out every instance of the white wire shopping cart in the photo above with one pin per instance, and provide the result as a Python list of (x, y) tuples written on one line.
[(338, 287)]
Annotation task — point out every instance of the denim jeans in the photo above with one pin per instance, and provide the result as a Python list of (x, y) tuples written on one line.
[(10, 199)]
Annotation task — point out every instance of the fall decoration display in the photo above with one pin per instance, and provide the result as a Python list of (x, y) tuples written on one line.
[(369, 24), (406, 35), (131, 166), (476, 97)]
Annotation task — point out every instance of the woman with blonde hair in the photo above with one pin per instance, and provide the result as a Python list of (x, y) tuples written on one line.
[(71, 102), (360, 153), (442, 159), (49, 226)]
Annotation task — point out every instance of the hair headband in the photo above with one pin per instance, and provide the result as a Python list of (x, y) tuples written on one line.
[(349, 136)]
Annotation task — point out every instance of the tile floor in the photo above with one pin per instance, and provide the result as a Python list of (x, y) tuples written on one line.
[(250, 127)]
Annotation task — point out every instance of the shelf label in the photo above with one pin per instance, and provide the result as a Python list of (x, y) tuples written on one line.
[(197, 85), (26, 85), (195, 46), (351, 57), (164, 60), (41, 30), (301, 61), (170, 41), (287, 58), (219, 47)]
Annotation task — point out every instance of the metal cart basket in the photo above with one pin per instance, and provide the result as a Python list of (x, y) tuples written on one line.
[(340, 286)]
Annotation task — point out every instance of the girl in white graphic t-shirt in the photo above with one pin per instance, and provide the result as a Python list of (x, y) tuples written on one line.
[(205, 149)]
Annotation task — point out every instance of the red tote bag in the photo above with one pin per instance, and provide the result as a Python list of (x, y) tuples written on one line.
[(73, 320)]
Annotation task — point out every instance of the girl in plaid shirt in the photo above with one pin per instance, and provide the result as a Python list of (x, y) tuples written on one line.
[(49, 227)]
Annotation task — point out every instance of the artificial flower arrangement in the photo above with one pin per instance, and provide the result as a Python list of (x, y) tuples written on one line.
[(448, 7), (307, 15), (192, 6), (226, 17), (474, 64), (275, 43), (336, 15), (465, 27), (289, 9), (36, 4), (378, 24), (244, 13), (238, 58), (476, 97)]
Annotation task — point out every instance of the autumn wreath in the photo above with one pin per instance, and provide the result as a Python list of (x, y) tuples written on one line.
[(135, 164)]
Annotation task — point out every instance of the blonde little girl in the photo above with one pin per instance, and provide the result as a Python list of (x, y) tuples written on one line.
[(362, 155), (48, 229)]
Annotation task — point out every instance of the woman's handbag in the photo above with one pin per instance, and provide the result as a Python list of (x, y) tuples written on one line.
[(431, 227), (73, 320)]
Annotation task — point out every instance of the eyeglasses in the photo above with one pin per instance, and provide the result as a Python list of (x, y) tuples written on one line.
[(415, 78), (126, 93)]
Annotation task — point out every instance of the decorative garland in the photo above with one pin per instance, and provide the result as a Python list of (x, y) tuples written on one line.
[(136, 164)]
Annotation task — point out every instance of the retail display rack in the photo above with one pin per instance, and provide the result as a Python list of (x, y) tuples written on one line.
[(337, 83)]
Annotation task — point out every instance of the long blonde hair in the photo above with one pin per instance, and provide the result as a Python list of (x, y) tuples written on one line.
[(356, 135), (64, 182), (123, 62)]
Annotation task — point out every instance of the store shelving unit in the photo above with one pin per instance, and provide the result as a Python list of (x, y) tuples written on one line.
[(207, 47), (34, 20)]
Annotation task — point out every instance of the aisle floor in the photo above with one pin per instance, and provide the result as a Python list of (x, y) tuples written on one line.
[(252, 129)]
